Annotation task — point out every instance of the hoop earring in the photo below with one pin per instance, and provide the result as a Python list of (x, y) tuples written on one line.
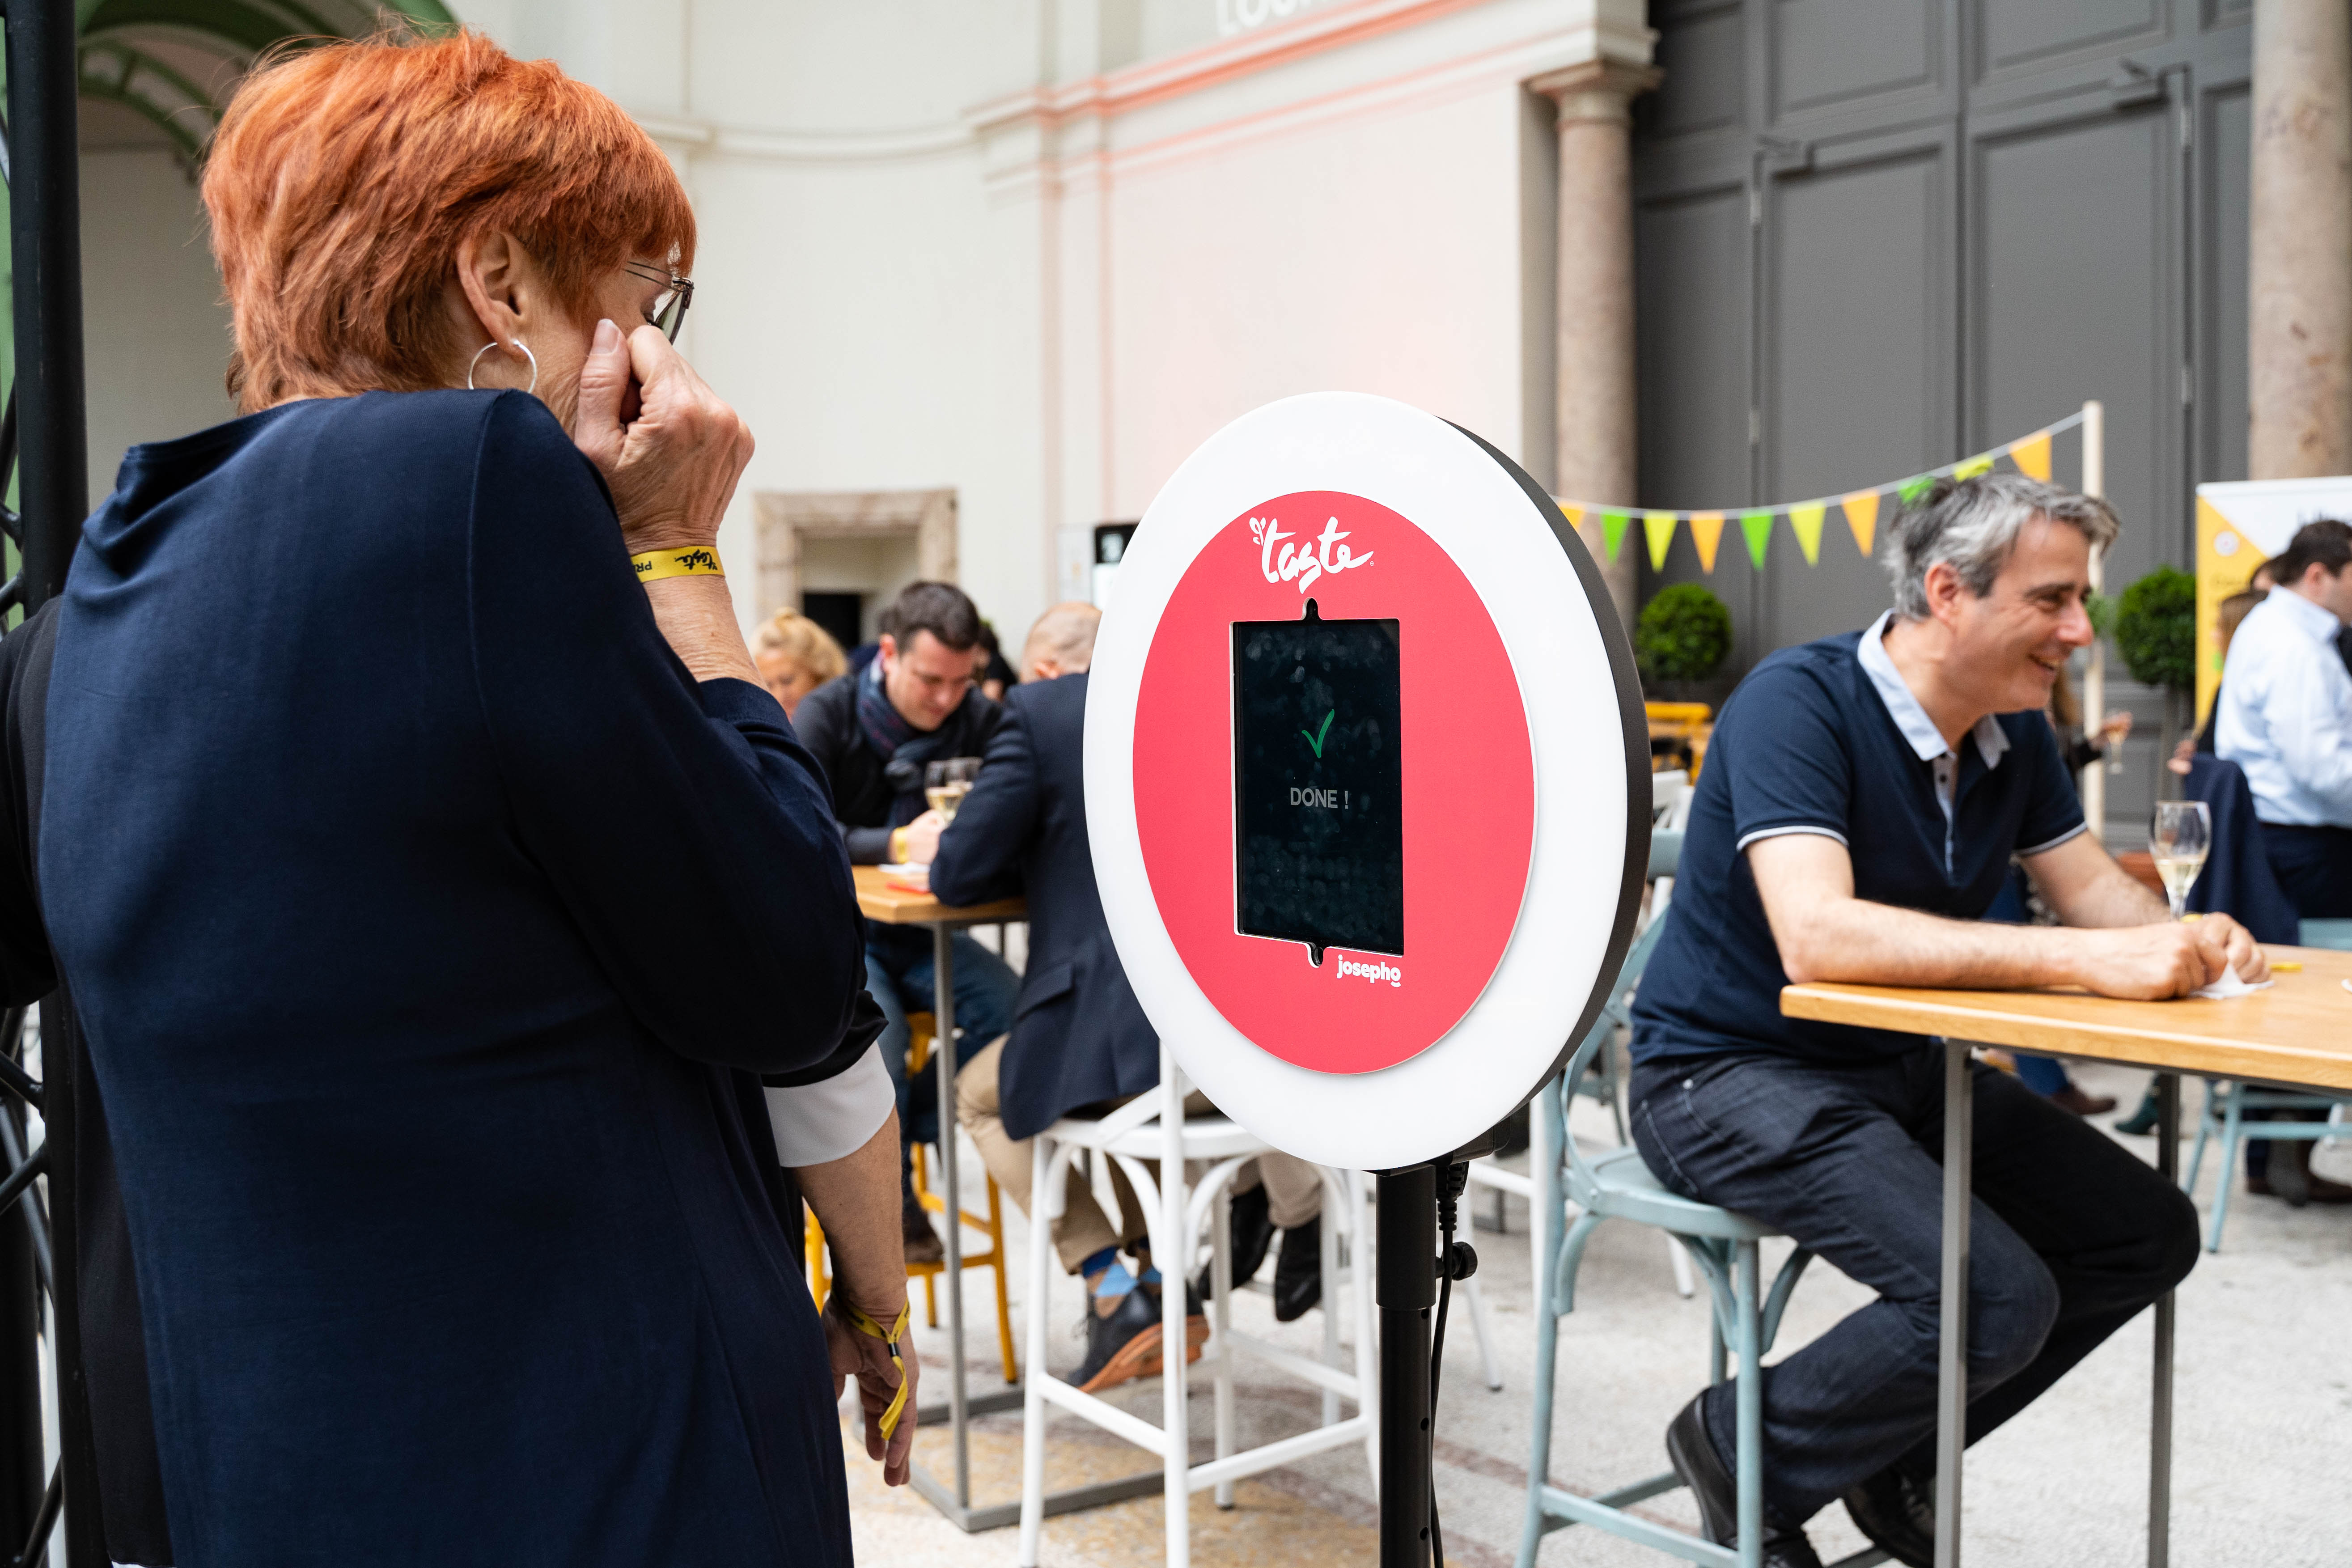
[(485, 347)]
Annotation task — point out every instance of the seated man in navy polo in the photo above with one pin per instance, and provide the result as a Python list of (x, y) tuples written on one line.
[(1862, 800)]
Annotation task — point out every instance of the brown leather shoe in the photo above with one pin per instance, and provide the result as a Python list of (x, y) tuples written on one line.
[(923, 1243), (2073, 1099)]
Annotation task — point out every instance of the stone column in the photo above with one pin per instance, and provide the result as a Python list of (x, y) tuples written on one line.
[(1597, 387), (2299, 361)]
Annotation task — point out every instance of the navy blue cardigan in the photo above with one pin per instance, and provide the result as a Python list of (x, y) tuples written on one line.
[(425, 918)]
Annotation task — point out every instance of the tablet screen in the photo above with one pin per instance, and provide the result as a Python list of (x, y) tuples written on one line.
[(1318, 813)]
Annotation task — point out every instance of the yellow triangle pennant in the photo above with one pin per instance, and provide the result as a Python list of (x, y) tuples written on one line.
[(1980, 464), (1658, 527), (1806, 521), (1862, 516), (1575, 515), (1707, 532), (2032, 455)]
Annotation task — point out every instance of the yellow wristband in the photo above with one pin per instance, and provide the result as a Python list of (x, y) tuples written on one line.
[(656, 564), (889, 1338), (897, 846)]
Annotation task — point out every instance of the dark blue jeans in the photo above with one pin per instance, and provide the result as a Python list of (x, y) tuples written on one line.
[(2071, 1235), (899, 973)]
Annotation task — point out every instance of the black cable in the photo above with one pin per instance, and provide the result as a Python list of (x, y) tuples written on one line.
[(1451, 1181)]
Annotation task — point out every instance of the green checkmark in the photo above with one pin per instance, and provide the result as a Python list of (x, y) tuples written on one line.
[(1315, 739)]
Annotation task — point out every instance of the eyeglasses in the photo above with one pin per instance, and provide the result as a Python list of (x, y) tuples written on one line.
[(668, 310)]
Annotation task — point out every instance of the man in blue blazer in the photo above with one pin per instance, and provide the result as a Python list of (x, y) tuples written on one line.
[(1079, 1038)]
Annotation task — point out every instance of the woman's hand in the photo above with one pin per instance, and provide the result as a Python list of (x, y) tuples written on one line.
[(2118, 725), (673, 462), (858, 1355)]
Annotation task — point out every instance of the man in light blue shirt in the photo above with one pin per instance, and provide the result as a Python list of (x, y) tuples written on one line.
[(2286, 719)]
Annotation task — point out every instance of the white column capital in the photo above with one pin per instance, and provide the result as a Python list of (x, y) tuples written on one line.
[(1600, 90)]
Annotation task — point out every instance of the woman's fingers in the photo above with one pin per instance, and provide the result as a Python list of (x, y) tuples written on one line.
[(680, 461), (596, 427)]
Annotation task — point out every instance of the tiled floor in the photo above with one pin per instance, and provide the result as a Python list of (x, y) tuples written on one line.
[(2264, 1416)]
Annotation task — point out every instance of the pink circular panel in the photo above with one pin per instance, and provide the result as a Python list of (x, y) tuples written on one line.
[(1465, 770)]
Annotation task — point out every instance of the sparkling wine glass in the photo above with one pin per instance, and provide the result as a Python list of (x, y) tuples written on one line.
[(2178, 840), (947, 782)]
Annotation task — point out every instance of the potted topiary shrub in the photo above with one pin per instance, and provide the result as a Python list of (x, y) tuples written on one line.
[(2154, 628), (1681, 639)]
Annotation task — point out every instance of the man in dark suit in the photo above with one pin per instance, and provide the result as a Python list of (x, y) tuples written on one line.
[(875, 731), (1079, 1038)]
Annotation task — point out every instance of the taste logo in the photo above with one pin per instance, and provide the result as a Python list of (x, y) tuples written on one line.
[(1376, 972), (1300, 563)]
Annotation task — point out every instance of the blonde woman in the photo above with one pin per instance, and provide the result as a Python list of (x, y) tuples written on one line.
[(795, 657)]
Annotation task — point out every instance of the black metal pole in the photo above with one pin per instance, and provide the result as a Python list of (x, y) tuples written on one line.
[(1405, 1287), (45, 246), (45, 238)]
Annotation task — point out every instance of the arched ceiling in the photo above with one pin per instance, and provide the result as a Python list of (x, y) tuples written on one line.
[(157, 72)]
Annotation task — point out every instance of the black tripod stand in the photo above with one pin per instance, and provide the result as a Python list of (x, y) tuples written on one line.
[(1417, 1205)]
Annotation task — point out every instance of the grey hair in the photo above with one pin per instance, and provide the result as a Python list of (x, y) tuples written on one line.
[(1972, 525)]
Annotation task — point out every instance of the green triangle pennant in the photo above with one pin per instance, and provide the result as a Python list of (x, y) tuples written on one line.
[(1758, 527), (1912, 490), (1613, 531)]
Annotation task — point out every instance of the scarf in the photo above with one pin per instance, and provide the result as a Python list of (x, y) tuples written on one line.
[(904, 750)]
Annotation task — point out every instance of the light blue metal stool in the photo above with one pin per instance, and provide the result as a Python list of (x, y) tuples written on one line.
[(2226, 1104), (1618, 1185)]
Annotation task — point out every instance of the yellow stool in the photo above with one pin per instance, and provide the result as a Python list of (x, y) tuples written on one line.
[(923, 1031)]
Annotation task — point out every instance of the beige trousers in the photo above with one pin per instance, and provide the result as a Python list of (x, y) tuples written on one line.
[(1294, 1191)]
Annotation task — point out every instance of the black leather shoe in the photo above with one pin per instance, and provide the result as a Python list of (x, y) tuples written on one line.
[(1717, 1491), (1298, 1271), (1253, 1234), (1123, 1346), (1897, 1513)]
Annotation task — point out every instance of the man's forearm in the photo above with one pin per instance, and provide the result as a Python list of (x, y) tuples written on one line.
[(2113, 897), (1856, 940), (857, 1200)]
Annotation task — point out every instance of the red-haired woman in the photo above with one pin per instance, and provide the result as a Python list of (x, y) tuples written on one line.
[(433, 875)]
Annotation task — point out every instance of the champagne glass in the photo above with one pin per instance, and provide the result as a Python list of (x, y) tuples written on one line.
[(2178, 841), (947, 782)]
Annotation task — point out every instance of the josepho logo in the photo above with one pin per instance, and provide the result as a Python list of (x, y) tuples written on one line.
[(1303, 565), (1350, 970)]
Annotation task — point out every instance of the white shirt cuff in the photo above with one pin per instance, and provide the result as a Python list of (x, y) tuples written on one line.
[(817, 1122)]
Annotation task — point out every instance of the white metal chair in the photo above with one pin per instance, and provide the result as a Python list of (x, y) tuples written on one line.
[(1153, 1127)]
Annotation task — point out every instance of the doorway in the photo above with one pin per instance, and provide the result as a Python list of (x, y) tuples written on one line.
[(841, 556)]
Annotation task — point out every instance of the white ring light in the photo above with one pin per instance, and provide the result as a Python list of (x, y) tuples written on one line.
[(1583, 701)]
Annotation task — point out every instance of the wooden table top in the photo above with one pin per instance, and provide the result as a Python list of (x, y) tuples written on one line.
[(2297, 1033), (892, 906)]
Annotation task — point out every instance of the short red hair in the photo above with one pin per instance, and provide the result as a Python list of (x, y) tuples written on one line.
[(344, 176)]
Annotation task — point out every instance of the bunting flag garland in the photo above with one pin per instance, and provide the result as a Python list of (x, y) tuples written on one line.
[(1805, 521), (2029, 453), (1861, 517), (1658, 528), (2031, 456), (1707, 532)]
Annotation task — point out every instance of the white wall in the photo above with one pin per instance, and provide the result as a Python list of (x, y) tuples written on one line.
[(1033, 250), (155, 335)]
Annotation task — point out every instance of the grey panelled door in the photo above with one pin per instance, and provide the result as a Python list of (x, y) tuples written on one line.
[(1877, 234)]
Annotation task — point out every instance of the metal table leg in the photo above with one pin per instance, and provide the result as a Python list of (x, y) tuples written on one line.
[(2160, 1433), (1952, 1357), (944, 1057), (962, 1407)]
